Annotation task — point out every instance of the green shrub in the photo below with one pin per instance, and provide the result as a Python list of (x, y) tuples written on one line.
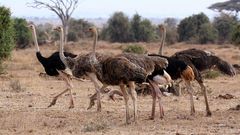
[(236, 36), (135, 49), (72, 36), (196, 29), (6, 33), (212, 74), (23, 34), (225, 25)]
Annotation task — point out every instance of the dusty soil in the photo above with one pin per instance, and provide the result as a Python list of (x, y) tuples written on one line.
[(25, 96)]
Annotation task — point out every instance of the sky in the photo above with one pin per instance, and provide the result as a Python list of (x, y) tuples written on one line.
[(105, 8)]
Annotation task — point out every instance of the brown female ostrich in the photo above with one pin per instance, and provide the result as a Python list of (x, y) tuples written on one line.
[(199, 61), (53, 66), (111, 71)]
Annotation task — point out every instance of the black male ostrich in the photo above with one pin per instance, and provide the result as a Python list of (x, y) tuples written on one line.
[(199, 61), (52, 64)]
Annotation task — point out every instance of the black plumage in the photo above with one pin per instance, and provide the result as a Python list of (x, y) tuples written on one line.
[(175, 67), (203, 60), (53, 63)]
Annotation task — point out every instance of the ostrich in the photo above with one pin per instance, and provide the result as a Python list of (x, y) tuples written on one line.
[(52, 65), (116, 70), (199, 61)]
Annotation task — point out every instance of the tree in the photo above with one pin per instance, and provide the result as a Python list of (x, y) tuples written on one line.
[(225, 25), (147, 31), (6, 34), (207, 34), (231, 5), (190, 28), (142, 30), (78, 27), (171, 30), (23, 34), (119, 27), (135, 27), (63, 9), (236, 35)]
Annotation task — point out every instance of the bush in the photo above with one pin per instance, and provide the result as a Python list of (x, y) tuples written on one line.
[(78, 27), (171, 30), (225, 25), (207, 34), (23, 34), (236, 35), (135, 49), (6, 34), (72, 36), (212, 74), (119, 28), (191, 29)]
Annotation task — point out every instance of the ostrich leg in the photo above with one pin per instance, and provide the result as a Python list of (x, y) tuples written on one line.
[(190, 92), (67, 80), (133, 94), (203, 88), (126, 98), (156, 94)]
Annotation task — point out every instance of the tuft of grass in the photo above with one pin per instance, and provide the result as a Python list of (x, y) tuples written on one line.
[(138, 49), (2, 69), (94, 126), (15, 86), (212, 74)]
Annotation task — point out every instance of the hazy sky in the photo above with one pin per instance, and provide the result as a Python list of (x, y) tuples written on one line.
[(105, 8)]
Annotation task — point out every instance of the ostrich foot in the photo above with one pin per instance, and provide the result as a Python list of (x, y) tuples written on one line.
[(91, 104), (53, 102), (71, 105), (209, 114)]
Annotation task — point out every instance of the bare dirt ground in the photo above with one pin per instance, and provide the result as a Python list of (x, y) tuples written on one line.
[(25, 96)]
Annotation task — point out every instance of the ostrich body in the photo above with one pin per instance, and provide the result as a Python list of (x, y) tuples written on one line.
[(203, 60), (52, 65)]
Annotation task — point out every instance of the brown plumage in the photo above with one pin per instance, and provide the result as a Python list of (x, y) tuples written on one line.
[(188, 74), (116, 70)]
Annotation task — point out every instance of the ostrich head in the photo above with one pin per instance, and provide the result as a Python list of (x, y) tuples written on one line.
[(93, 29), (58, 28), (223, 66), (31, 26), (161, 27)]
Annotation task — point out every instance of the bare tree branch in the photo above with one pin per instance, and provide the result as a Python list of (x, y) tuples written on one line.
[(63, 9)]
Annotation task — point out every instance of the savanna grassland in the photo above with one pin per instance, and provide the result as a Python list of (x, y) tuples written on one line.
[(25, 96)]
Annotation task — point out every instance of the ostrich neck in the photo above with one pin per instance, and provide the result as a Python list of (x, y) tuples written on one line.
[(35, 40), (162, 42), (95, 37), (61, 52)]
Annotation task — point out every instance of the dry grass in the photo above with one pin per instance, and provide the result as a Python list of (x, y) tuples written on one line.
[(25, 96)]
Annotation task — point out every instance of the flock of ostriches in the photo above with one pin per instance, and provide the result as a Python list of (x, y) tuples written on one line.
[(128, 69)]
